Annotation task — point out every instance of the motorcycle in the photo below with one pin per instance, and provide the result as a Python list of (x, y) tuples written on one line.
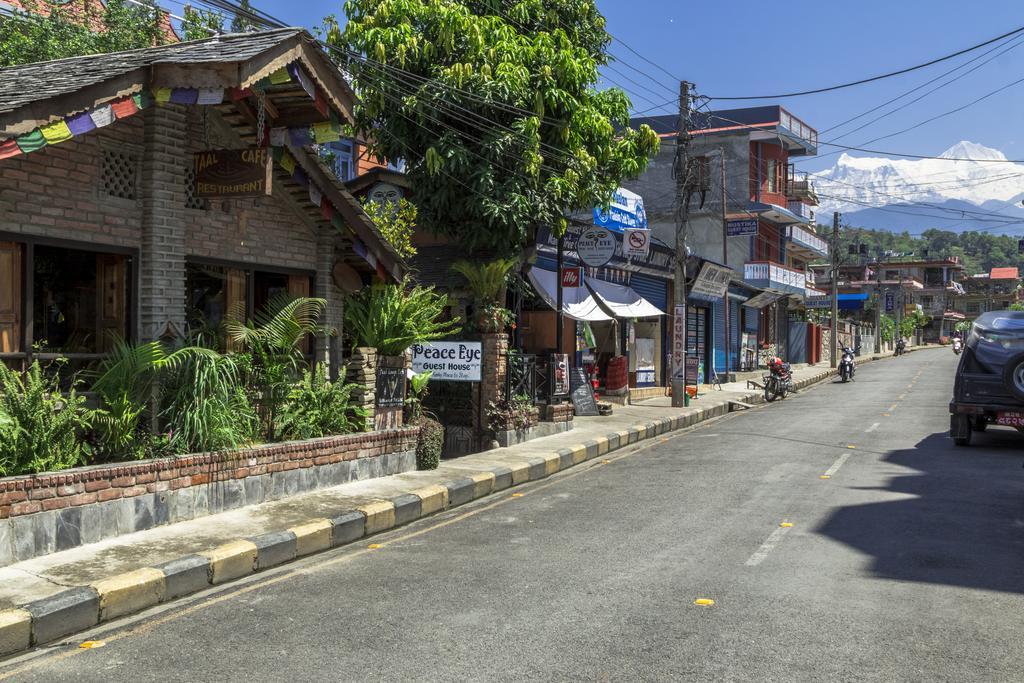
[(958, 345), (779, 380), (847, 366), (901, 347)]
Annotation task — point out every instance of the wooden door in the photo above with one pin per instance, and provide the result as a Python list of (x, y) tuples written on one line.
[(235, 298), (111, 300), (10, 297)]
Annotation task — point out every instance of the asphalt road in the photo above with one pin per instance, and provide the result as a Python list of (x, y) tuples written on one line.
[(907, 563)]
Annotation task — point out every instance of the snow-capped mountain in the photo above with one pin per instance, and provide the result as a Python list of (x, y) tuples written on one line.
[(894, 194)]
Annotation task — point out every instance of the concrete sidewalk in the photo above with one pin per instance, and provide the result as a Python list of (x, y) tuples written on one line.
[(50, 597)]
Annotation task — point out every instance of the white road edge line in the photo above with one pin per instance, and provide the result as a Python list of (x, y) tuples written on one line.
[(873, 427), (768, 546), (837, 464)]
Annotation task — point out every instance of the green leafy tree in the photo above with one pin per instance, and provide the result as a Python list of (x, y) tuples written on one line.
[(391, 318), (494, 109), (200, 23), (241, 24), (396, 221), (28, 36)]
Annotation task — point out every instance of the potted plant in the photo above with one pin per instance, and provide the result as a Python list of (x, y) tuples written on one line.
[(487, 282)]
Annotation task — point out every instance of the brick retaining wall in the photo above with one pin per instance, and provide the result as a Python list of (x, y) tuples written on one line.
[(46, 513)]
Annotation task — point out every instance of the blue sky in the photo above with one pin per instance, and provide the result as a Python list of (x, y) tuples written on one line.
[(744, 47)]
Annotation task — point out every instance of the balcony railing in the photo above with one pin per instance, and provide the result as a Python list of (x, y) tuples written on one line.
[(771, 275), (808, 240), (798, 127)]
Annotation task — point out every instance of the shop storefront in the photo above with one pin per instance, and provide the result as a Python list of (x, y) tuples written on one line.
[(618, 328)]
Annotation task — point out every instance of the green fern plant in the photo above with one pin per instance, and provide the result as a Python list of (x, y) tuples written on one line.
[(273, 341), (391, 318), (317, 407), (42, 428)]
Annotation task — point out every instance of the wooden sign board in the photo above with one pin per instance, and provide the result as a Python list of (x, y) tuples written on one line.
[(233, 172), (582, 393)]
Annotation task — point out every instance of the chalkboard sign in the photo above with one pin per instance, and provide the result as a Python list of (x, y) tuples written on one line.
[(693, 369), (390, 387), (582, 393)]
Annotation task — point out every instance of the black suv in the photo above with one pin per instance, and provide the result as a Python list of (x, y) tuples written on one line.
[(989, 386)]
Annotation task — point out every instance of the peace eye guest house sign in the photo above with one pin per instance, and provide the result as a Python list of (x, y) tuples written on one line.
[(233, 172)]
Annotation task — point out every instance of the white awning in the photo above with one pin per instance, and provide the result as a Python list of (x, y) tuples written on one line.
[(621, 301), (577, 303)]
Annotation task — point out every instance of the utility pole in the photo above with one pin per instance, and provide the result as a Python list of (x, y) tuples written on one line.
[(681, 172), (879, 302), (559, 315), (725, 262), (834, 342)]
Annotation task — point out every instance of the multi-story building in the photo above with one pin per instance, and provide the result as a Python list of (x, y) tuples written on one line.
[(767, 236), (993, 291), (929, 285)]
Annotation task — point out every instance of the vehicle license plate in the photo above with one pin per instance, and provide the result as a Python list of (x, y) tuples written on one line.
[(1010, 419)]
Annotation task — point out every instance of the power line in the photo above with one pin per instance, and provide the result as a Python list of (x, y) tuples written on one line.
[(879, 77)]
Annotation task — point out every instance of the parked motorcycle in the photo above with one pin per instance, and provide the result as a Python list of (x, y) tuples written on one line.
[(847, 365), (958, 345), (901, 347), (779, 380)]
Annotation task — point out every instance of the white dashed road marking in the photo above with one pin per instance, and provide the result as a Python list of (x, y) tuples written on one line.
[(872, 427), (837, 464), (768, 546)]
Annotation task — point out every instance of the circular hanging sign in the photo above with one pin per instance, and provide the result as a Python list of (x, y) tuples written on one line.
[(596, 246), (346, 277)]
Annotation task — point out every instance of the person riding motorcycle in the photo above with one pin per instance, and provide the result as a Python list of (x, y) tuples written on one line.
[(847, 365), (901, 346), (958, 345)]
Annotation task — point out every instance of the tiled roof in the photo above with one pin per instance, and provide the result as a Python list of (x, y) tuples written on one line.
[(1005, 274), (27, 83)]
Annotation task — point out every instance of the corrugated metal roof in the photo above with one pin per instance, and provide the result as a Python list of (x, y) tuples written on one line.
[(1004, 274), (27, 83)]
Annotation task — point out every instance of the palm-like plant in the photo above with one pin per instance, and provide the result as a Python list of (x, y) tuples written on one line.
[(273, 340), (196, 387), (391, 318), (486, 280)]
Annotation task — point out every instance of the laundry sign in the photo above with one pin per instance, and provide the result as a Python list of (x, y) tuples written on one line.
[(459, 361)]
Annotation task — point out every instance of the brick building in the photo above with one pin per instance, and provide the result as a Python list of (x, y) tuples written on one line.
[(102, 231)]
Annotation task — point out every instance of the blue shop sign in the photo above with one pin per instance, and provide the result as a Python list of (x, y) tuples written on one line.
[(742, 227), (625, 211)]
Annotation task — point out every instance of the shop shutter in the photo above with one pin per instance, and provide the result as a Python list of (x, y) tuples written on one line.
[(653, 289), (718, 334), (10, 297), (734, 336)]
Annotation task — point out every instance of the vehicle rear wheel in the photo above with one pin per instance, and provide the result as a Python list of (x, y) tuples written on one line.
[(961, 430), (1013, 376)]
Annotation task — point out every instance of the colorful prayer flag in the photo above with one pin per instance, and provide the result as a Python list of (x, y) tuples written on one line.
[(163, 95), (288, 163), (102, 116), (338, 222), (315, 196), (280, 76), (210, 96), (240, 93), (359, 247), (278, 137), (327, 210), (80, 124), (184, 95), (31, 142), (382, 272), (143, 99), (325, 132), (320, 102), (55, 132), (9, 148), (300, 177), (304, 81), (300, 136), (124, 107)]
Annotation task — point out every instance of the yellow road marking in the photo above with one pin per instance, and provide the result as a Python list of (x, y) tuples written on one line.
[(517, 495), (704, 602), (92, 644), (375, 546), (825, 476), (786, 525)]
